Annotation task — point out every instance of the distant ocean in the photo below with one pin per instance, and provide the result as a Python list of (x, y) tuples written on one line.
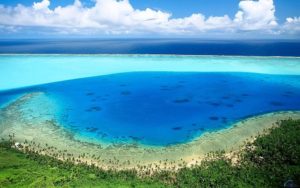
[(152, 46)]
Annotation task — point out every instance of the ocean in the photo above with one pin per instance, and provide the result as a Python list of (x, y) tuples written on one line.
[(245, 47)]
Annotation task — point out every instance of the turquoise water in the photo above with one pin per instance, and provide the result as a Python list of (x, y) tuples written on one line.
[(26, 70), (153, 100)]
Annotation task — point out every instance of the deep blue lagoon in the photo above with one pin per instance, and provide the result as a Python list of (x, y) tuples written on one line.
[(164, 108)]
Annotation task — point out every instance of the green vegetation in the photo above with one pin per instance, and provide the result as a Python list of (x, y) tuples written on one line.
[(270, 161), (31, 170)]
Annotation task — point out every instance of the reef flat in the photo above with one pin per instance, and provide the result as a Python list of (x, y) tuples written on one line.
[(73, 66)]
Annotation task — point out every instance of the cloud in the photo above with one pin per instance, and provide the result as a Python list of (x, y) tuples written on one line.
[(41, 5), (256, 15), (292, 25), (118, 17)]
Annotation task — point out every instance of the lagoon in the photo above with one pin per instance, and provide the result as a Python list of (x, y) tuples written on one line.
[(153, 100)]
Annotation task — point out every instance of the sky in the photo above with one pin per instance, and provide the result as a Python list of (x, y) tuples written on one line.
[(150, 18)]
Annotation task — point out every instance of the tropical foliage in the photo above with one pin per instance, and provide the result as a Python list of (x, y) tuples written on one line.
[(270, 161)]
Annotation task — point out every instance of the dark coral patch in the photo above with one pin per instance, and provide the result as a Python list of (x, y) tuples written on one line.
[(94, 109), (289, 92), (214, 118), (89, 94), (92, 129), (245, 94), (181, 101), (214, 103), (238, 100), (135, 138), (125, 93), (276, 103), (177, 128)]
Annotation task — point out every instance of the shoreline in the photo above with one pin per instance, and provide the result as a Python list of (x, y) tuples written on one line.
[(49, 138)]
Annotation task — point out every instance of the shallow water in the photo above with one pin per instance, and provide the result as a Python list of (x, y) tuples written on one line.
[(163, 108), (27, 70)]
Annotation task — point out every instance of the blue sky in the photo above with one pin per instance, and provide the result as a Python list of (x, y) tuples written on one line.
[(180, 8), (193, 18)]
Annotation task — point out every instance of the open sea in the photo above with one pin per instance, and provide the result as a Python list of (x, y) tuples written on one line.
[(246, 47)]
